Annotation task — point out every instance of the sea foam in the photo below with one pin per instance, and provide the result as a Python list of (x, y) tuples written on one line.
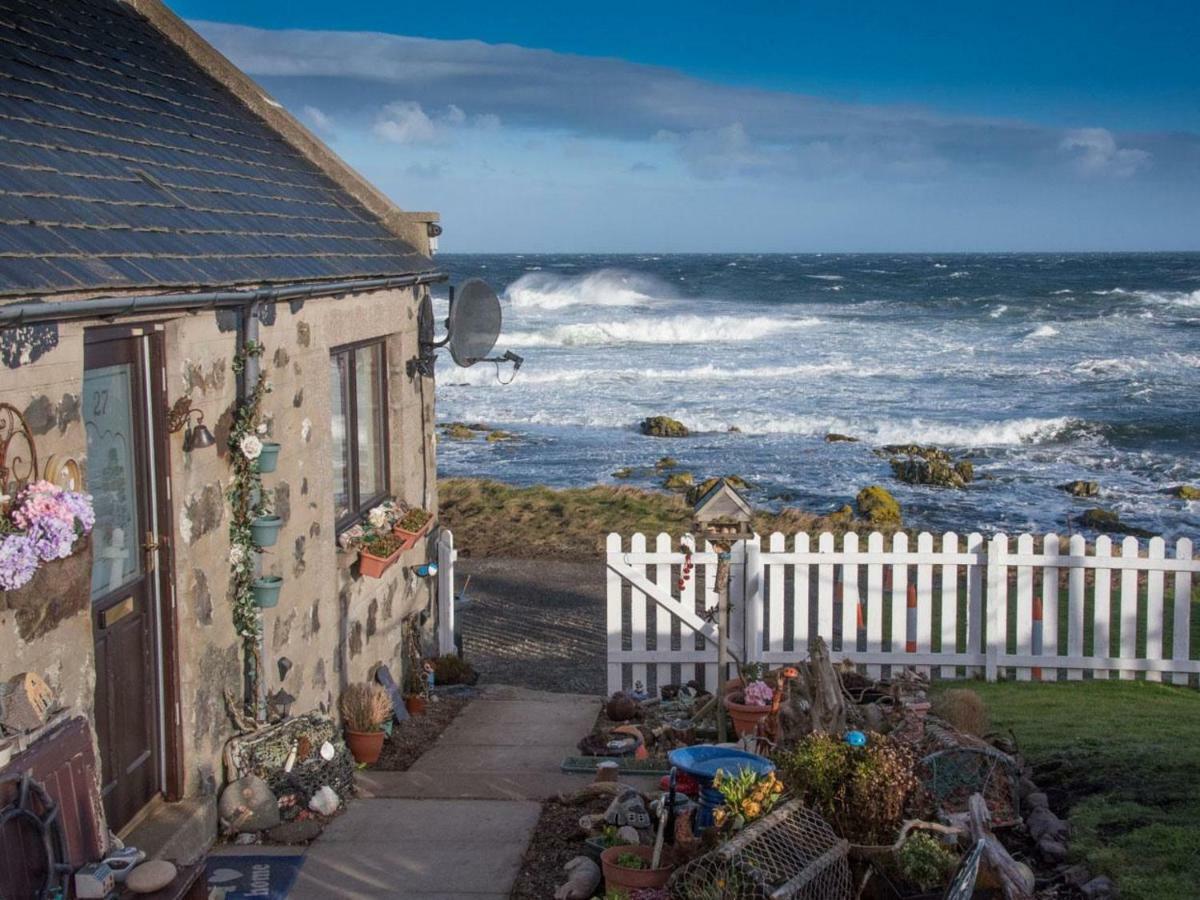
[(685, 329)]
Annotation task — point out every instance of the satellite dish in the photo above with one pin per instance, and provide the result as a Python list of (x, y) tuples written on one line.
[(472, 329), (474, 322)]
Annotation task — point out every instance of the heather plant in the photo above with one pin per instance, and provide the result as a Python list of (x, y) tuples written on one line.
[(861, 791), (925, 863), (758, 693)]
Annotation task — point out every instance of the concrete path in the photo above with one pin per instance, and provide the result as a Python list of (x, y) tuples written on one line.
[(457, 823)]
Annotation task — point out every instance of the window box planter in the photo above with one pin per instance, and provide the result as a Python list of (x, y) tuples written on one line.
[(411, 535), (266, 591), (268, 459), (372, 566), (264, 530)]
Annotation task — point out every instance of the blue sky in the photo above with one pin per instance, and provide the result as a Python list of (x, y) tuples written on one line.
[(790, 127)]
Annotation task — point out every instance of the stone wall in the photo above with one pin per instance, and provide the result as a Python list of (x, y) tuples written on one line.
[(334, 626)]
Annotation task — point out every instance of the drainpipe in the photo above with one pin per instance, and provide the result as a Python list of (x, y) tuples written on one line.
[(256, 665)]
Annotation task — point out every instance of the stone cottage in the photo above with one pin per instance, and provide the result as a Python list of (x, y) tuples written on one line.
[(158, 213)]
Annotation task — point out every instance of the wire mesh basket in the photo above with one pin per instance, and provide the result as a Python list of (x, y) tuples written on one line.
[(790, 854), (960, 765)]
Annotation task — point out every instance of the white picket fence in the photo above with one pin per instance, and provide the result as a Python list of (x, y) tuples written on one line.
[(973, 607)]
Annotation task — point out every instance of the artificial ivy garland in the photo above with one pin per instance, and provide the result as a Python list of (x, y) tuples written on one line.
[(247, 500)]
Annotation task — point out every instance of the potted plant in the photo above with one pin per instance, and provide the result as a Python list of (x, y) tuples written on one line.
[(749, 705), (413, 524), (365, 708), (377, 552), (598, 843), (266, 591), (415, 687), (264, 530), (268, 457), (627, 868)]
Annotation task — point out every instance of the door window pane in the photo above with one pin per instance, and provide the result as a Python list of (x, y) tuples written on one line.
[(368, 377), (339, 389), (108, 417)]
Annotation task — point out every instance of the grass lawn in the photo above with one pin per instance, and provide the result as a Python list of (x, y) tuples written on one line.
[(1121, 760)]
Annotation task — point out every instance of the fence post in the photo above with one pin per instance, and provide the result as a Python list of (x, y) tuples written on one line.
[(753, 599), (613, 548), (446, 555), (996, 604)]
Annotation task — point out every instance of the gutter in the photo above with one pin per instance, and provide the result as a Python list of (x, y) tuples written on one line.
[(15, 315)]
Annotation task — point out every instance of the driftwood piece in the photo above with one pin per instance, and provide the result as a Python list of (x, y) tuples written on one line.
[(823, 685), (1006, 869)]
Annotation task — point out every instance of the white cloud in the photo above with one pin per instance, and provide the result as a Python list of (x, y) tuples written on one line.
[(318, 120), (1095, 152), (405, 122)]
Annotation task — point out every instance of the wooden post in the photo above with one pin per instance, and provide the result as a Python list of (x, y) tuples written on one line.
[(722, 633)]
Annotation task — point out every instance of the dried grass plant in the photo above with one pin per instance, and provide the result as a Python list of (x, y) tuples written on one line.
[(365, 706)]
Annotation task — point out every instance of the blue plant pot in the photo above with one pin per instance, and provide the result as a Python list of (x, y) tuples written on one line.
[(269, 458), (265, 530), (266, 591)]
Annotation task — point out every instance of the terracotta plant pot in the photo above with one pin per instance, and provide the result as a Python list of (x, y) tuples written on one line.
[(415, 704), (269, 458), (365, 746), (372, 566), (621, 881), (745, 717), (264, 530), (266, 591)]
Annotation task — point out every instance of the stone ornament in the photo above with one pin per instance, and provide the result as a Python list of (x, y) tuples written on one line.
[(151, 876), (628, 809), (248, 805)]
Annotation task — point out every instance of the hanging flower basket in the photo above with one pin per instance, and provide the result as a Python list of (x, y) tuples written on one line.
[(377, 555), (268, 457), (265, 530), (266, 591)]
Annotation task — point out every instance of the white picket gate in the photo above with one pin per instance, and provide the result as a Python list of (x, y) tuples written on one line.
[(1044, 608)]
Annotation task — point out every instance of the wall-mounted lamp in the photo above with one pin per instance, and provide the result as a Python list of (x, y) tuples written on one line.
[(197, 436)]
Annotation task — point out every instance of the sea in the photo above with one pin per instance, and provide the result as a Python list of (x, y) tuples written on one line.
[(1040, 368)]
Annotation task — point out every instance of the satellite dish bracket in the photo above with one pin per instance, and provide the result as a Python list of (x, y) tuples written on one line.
[(478, 330)]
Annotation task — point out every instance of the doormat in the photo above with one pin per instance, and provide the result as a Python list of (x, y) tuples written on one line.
[(626, 765), (244, 877)]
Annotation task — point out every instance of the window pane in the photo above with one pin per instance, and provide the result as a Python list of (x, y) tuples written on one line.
[(368, 376), (108, 409), (339, 392)]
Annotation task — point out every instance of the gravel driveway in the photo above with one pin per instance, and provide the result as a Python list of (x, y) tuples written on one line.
[(535, 623)]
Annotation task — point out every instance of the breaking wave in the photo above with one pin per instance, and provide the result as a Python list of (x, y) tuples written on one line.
[(671, 330), (604, 287), (1043, 331)]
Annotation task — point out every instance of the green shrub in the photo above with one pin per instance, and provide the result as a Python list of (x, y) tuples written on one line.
[(925, 863)]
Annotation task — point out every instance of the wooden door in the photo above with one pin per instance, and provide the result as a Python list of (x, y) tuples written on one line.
[(119, 398)]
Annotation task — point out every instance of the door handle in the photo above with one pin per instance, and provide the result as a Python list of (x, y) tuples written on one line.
[(150, 548)]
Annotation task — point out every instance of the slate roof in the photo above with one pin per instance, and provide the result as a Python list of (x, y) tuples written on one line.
[(123, 164)]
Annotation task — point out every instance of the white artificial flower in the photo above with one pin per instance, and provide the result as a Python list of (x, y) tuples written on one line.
[(262, 428), (251, 447), (378, 517), (237, 554)]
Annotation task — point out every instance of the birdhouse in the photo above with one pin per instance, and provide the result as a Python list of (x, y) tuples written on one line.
[(25, 702), (722, 515)]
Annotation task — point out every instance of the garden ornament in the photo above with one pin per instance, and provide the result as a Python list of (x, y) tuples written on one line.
[(583, 877), (856, 739), (628, 809), (325, 801)]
